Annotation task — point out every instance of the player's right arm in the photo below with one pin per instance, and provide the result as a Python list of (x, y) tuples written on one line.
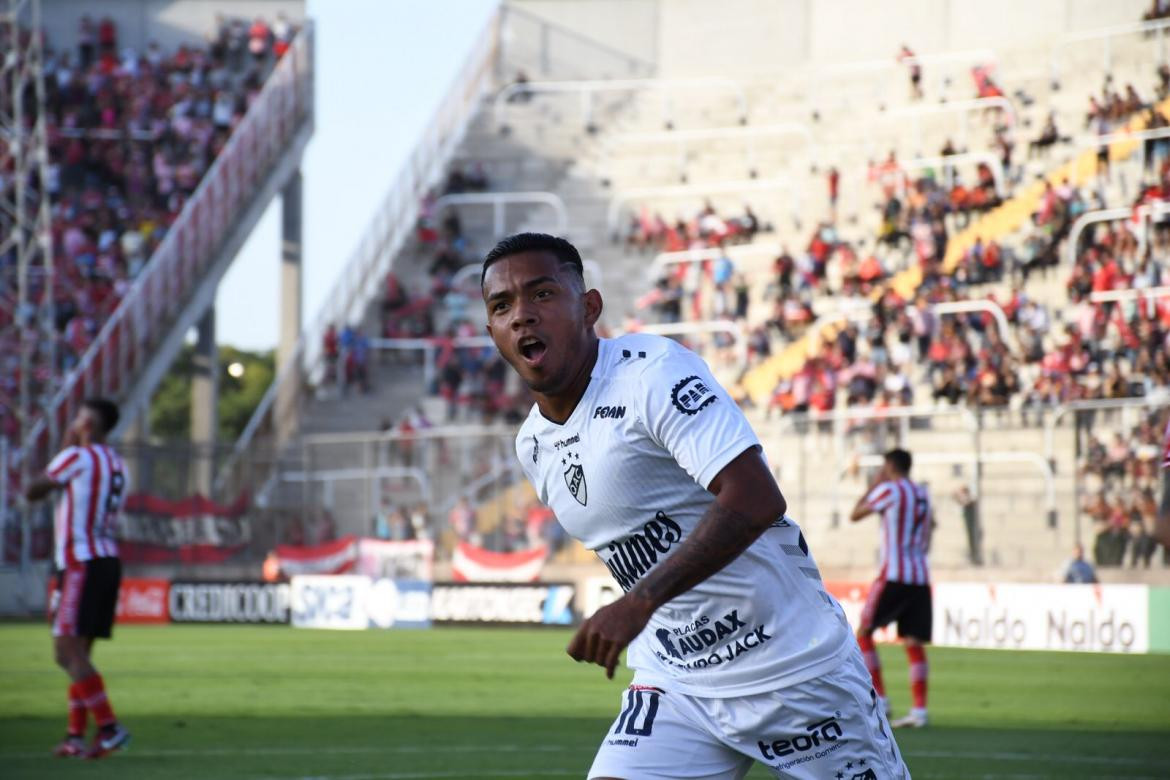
[(64, 467), (874, 500)]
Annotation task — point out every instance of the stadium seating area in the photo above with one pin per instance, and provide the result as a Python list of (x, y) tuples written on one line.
[(849, 319), (130, 134)]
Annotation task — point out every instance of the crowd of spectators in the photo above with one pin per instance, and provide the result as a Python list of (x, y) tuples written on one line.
[(1120, 475), (130, 134)]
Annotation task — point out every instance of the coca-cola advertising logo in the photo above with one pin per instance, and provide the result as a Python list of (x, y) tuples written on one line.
[(143, 601)]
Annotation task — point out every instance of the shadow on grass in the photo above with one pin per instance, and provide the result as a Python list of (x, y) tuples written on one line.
[(403, 746)]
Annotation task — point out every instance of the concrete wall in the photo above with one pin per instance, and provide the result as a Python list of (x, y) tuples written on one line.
[(628, 26), (737, 37), (170, 22)]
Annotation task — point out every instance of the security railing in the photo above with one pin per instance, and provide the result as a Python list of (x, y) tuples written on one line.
[(125, 342), (388, 232), (1106, 36), (777, 185), (499, 201), (686, 141), (586, 91)]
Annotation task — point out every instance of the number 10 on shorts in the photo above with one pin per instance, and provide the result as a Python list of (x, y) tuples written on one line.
[(637, 718)]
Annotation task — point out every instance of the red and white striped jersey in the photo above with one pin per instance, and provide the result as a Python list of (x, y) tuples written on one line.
[(87, 512), (906, 519)]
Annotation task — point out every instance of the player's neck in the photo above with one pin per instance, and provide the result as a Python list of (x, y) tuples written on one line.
[(558, 407)]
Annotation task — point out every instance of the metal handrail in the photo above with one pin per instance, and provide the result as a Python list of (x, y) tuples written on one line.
[(965, 307), (392, 223), (682, 138), (947, 163), (1052, 420), (979, 458), (774, 184), (1144, 211), (1108, 139), (190, 243), (1106, 34), (587, 89), (499, 200), (964, 107), (703, 255)]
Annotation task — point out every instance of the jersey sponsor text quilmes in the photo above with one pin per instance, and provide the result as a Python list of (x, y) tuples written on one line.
[(87, 510), (626, 474), (906, 517)]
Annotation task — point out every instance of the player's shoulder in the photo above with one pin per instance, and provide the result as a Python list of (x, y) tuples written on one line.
[(637, 356), (530, 425)]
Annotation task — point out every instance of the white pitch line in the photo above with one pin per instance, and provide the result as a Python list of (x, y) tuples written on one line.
[(1064, 758), (1070, 758), (332, 751)]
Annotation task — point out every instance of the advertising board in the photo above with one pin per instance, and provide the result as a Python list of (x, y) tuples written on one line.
[(143, 601), (476, 603), (229, 602)]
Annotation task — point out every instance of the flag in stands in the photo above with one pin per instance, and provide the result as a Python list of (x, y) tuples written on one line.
[(475, 564)]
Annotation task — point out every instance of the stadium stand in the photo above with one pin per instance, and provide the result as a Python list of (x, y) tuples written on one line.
[(157, 159), (863, 317)]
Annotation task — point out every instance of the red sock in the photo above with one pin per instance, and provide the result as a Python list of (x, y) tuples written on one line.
[(93, 696), (918, 670), (76, 726), (872, 663)]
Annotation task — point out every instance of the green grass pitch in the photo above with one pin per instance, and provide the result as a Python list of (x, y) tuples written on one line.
[(241, 702)]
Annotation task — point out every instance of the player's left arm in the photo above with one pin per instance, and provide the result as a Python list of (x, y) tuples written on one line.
[(41, 487), (747, 501), (686, 412), (56, 476)]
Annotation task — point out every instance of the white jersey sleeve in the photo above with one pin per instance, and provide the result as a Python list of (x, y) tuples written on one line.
[(691, 416)]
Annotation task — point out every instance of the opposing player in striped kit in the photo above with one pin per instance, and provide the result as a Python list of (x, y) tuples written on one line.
[(901, 591), (91, 481), (740, 656)]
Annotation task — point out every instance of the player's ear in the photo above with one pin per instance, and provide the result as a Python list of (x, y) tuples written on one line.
[(593, 307)]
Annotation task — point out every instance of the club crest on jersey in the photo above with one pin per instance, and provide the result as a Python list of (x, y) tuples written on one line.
[(575, 478), (691, 394)]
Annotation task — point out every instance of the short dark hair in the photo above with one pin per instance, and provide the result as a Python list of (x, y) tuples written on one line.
[(519, 243), (900, 459), (106, 411)]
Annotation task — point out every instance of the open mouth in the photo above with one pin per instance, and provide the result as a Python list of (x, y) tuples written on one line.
[(532, 349)]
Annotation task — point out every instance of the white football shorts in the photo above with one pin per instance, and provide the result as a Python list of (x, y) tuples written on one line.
[(828, 727)]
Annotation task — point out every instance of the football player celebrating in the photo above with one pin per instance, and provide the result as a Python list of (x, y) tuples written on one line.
[(739, 653), (91, 479)]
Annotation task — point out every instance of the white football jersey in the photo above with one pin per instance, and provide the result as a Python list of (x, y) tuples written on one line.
[(626, 474)]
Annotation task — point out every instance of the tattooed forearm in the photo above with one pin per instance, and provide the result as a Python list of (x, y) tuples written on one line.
[(719, 538)]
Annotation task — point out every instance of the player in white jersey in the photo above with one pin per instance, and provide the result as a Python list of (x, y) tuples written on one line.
[(739, 653), (901, 591), (91, 479)]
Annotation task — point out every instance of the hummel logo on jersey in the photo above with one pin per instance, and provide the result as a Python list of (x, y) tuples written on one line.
[(535, 450), (691, 394), (575, 477), (609, 412)]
